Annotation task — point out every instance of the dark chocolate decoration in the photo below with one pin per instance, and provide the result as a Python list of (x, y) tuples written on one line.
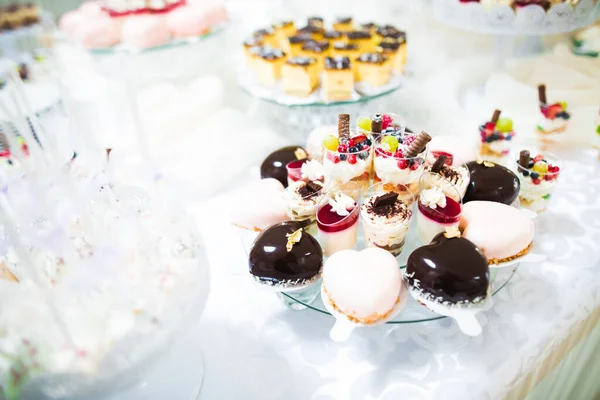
[(377, 123), (267, 53), (497, 183), (408, 130), (333, 35), (389, 31), (387, 199), (297, 39), (389, 45), (496, 116), (542, 94), (354, 35), (451, 269), (254, 41), (318, 21), (449, 173), (302, 61), (524, 158), (274, 165), (372, 58), (311, 30), (438, 164), (337, 62), (263, 32), (272, 264), (343, 127), (313, 187), (23, 71), (344, 20), (368, 26), (345, 46), (317, 47)]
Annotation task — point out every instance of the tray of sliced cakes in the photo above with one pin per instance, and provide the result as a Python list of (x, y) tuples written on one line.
[(384, 225), (311, 62)]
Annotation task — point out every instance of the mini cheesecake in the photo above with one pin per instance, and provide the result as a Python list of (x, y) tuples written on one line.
[(370, 27), (395, 51), (343, 24), (283, 29), (268, 36), (373, 68), (338, 79), (293, 45), (317, 50), (316, 21), (363, 39), (300, 76), (314, 31), (388, 31), (253, 41), (342, 49), (267, 63)]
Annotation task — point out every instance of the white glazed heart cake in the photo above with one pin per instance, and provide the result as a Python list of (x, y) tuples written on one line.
[(502, 232), (365, 286), (260, 204)]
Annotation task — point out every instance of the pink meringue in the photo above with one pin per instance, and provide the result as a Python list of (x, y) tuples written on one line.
[(145, 31)]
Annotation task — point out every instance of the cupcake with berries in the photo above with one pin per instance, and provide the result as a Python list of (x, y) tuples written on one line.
[(400, 159), (496, 137), (538, 176), (347, 157), (555, 116), (377, 124)]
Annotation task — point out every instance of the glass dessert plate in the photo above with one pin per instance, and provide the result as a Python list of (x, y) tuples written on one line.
[(414, 312)]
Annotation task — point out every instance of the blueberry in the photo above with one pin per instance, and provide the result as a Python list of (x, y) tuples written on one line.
[(364, 155), (525, 173), (489, 139), (535, 175), (352, 150), (368, 142), (10, 162), (358, 146), (411, 162), (343, 157), (494, 136), (508, 137)]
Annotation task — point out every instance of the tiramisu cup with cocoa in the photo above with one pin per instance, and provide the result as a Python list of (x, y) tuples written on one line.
[(386, 214)]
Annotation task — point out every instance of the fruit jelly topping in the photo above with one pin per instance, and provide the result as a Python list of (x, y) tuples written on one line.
[(539, 169), (372, 58), (444, 215), (354, 35), (317, 47), (326, 217), (337, 62), (345, 46), (302, 61)]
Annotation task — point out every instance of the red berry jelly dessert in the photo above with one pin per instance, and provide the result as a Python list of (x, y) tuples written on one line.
[(330, 221), (447, 215)]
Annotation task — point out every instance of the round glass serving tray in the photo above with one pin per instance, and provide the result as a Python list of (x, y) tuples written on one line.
[(413, 312)]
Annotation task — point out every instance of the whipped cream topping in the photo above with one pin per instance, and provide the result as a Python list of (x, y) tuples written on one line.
[(312, 170), (388, 171), (551, 124), (433, 198), (298, 205), (343, 171), (341, 204)]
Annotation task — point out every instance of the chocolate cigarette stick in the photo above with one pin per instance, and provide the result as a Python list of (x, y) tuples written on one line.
[(524, 158), (377, 123), (496, 116), (542, 94), (344, 127), (418, 145), (437, 165)]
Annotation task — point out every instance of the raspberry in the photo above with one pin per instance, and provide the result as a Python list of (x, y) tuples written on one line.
[(382, 152), (414, 166), (537, 158), (357, 139), (386, 121), (336, 159), (402, 164), (342, 148), (536, 181), (398, 154), (548, 177), (352, 159)]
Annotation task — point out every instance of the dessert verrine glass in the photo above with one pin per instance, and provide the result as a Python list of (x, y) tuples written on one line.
[(391, 166), (337, 217), (301, 201), (377, 124), (554, 119), (386, 219), (453, 171), (538, 179), (439, 206), (350, 162), (495, 140), (294, 170)]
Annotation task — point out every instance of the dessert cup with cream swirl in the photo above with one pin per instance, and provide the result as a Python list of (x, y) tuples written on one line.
[(439, 206), (395, 168), (386, 226), (351, 162)]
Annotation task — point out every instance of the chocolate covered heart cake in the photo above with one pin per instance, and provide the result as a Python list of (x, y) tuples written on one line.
[(491, 182)]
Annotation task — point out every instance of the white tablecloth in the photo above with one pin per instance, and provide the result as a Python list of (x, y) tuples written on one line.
[(255, 348)]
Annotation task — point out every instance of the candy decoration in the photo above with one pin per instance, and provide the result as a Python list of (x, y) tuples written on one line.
[(377, 123), (496, 116), (542, 93), (418, 145), (524, 158), (437, 166), (344, 127)]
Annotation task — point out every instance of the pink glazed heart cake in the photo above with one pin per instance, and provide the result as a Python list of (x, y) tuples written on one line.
[(502, 232), (364, 286)]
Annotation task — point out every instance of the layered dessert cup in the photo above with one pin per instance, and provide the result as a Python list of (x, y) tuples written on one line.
[(294, 170), (378, 124), (495, 139), (439, 207), (555, 116), (538, 175), (451, 170), (386, 216), (393, 167), (301, 200), (337, 218), (349, 161)]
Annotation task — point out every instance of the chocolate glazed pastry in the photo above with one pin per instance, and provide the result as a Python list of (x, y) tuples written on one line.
[(271, 263), (274, 165), (491, 182), (452, 269)]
